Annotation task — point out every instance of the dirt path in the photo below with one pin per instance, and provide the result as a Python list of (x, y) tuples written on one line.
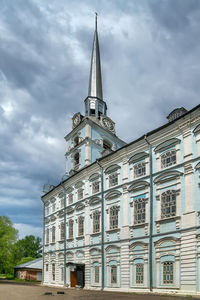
[(18, 291)]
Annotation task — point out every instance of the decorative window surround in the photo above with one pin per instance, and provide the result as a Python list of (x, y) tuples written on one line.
[(167, 146), (138, 254), (112, 171), (167, 249), (112, 259)]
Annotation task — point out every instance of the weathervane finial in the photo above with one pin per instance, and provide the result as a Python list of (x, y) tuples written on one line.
[(96, 15)]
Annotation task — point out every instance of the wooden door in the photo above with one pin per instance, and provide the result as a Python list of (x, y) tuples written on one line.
[(73, 279)]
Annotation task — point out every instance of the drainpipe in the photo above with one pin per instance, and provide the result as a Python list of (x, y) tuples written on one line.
[(65, 204), (102, 227), (151, 214), (43, 242)]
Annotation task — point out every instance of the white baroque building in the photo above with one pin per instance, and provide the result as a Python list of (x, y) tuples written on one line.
[(126, 217)]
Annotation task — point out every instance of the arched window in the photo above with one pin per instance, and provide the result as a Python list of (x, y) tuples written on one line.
[(139, 211), (80, 226), (53, 231), (113, 274), (96, 221), (168, 204), (62, 231), (139, 271), (168, 159), (114, 217), (96, 274), (168, 272)]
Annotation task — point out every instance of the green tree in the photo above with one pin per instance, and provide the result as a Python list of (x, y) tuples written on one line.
[(30, 246), (8, 236), (25, 260)]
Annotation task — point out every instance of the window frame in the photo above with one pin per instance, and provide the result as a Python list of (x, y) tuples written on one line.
[(141, 282), (80, 226), (168, 155), (163, 275), (173, 203), (139, 166), (96, 222), (114, 217), (139, 211), (70, 229)]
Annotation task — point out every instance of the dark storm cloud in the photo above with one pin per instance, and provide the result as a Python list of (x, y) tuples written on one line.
[(150, 63)]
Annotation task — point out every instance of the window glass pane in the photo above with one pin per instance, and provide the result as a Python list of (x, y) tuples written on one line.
[(168, 158), (113, 179), (139, 211), (139, 268), (168, 204), (168, 272), (96, 274), (113, 274)]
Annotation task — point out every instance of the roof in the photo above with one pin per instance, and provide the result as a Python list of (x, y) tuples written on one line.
[(34, 264)]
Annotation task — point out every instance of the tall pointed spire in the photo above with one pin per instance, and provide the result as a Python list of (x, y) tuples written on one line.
[(95, 83)]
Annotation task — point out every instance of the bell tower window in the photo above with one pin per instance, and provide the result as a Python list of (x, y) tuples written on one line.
[(76, 141), (76, 159), (106, 145)]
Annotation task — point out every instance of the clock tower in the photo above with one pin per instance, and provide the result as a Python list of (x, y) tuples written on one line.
[(92, 135)]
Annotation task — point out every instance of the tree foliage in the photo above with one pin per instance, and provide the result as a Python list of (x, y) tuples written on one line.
[(8, 236), (30, 246), (14, 252)]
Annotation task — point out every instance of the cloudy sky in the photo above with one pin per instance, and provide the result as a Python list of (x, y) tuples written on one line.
[(150, 63)]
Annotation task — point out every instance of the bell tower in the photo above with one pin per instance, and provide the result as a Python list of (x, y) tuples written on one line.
[(92, 135)]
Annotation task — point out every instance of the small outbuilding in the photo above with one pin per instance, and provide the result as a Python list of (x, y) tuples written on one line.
[(31, 270)]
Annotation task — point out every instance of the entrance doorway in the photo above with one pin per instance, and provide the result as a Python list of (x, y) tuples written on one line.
[(77, 277)]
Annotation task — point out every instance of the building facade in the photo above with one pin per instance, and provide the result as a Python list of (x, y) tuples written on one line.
[(31, 270), (126, 217)]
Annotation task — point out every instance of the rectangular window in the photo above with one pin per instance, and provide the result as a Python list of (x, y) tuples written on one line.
[(96, 274), (139, 211), (80, 194), (168, 204), (96, 222), (53, 208), (95, 187), (113, 271), (70, 235), (139, 268), (113, 179), (53, 272), (139, 169), (47, 267), (168, 272), (114, 217), (168, 159), (80, 226), (53, 234), (70, 198), (62, 231)]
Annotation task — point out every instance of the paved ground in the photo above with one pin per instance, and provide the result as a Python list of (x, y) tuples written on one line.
[(18, 291)]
